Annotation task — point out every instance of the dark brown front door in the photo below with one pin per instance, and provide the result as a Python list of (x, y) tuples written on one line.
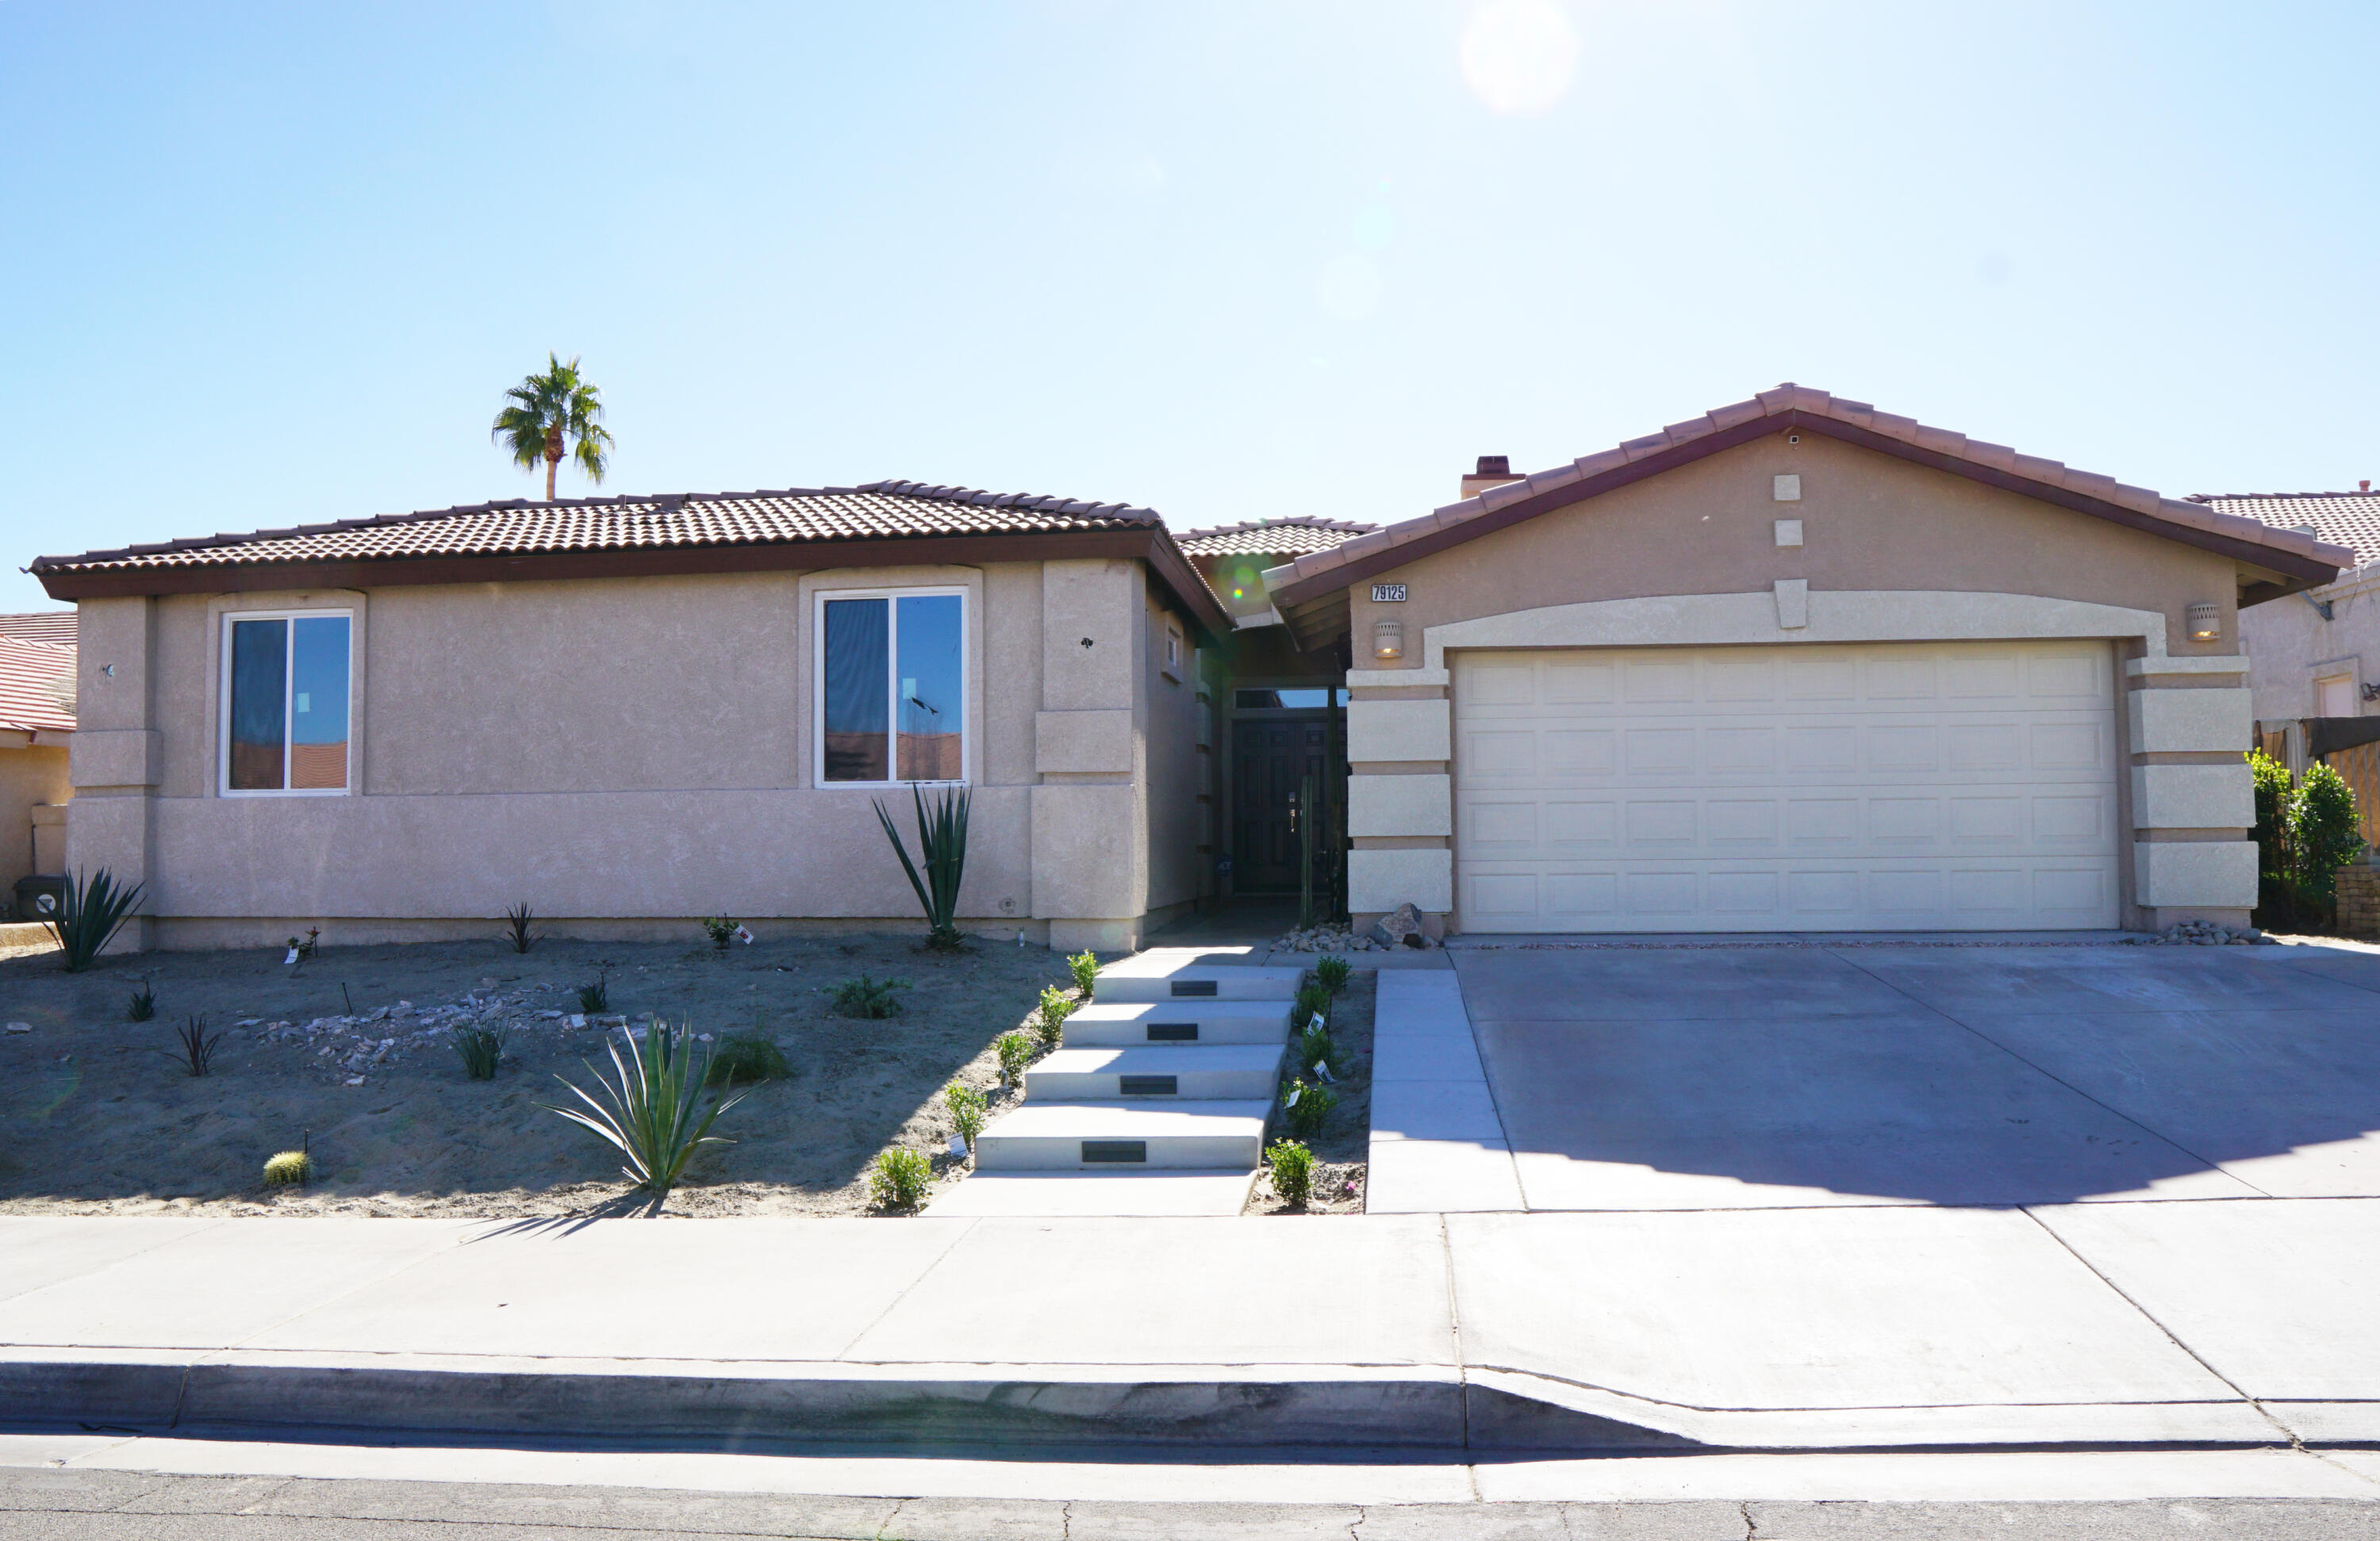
[(1269, 758)]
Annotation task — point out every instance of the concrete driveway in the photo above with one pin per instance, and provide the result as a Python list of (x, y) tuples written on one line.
[(1702, 1077)]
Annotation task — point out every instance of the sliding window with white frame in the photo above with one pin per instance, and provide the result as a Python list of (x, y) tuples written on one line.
[(889, 690), (285, 704)]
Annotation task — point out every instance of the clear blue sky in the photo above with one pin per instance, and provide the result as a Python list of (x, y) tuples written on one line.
[(264, 265)]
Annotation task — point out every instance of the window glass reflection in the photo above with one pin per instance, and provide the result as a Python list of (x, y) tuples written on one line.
[(856, 713), (318, 690), (259, 672), (929, 688)]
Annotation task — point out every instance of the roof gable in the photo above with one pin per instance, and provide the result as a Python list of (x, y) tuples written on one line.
[(2297, 558)]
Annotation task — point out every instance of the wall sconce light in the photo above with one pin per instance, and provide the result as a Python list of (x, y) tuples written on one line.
[(1389, 639), (2204, 622)]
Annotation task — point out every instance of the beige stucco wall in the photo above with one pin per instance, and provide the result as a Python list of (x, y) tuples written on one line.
[(2291, 645), (31, 775), (1889, 550), (615, 750)]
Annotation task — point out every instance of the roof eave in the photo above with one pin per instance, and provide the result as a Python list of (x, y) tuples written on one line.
[(1148, 544)]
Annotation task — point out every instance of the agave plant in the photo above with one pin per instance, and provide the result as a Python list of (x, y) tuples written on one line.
[(92, 910), (942, 847), (650, 1107)]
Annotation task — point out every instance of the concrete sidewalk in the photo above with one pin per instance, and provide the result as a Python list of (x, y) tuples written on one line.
[(2101, 1323)]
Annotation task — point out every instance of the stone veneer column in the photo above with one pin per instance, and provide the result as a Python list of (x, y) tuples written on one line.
[(2194, 807), (113, 760), (1400, 795), (1090, 816)]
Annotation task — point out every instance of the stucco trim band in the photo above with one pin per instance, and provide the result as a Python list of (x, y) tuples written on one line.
[(1838, 616), (1388, 806), (2195, 874)]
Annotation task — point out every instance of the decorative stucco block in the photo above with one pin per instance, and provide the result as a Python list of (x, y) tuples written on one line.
[(2192, 797), (1082, 741), (119, 757), (1381, 881), (2173, 721), (1399, 805), (2206, 874), (1399, 729)]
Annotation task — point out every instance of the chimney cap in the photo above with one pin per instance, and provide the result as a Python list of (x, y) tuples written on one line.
[(2364, 485), (1502, 465)]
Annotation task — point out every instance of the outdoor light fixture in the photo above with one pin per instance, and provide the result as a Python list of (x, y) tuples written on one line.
[(1389, 639), (2206, 621)]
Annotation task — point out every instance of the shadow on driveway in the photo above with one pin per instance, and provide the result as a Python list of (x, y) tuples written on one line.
[(1686, 1078)]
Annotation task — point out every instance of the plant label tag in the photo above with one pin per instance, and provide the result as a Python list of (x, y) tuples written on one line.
[(744, 935), (958, 1148), (1295, 1093), (1315, 1023), (292, 957), (1322, 1073)]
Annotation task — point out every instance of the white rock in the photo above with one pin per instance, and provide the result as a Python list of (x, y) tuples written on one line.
[(21, 1027)]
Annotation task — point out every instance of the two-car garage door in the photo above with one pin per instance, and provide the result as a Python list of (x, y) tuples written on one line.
[(1853, 787)]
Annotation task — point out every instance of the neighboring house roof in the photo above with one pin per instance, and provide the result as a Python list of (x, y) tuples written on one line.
[(55, 626), (36, 686), (2349, 519), (1293, 535), (2297, 559), (679, 532)]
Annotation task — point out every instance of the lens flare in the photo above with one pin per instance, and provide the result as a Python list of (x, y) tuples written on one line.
[(1519, 55)]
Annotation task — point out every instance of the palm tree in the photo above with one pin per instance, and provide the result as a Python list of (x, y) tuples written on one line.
[(547, 408)]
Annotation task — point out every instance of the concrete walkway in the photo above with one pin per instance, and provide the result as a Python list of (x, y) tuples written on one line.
[(2181, 1322)]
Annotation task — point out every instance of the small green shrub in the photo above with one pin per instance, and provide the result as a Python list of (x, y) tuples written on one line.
[(1049, 1016), (596, 996), (1015, 1051), (290, 1168), (900, 1179), (1332, 973), (1306, 1108), (194, 1047), (483, 1049), (1086, 969), (1312, 999), (720, 930), (143, 1004), (967, 1110), (1314, 1045), (741, 1057), (93, 911), (517, 928), (871, 1000), (2323, 832), (1292, 1166), (303, 948)]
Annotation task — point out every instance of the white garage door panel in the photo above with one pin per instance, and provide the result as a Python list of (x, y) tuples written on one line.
[(1935, 786)]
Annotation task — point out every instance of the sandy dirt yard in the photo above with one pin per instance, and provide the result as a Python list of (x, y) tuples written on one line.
[(352, 1051)]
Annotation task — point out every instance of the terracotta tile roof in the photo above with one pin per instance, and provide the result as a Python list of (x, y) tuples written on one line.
[(1291, 536), (56, 627), (36, 686), (1856, 421), (2349, 519), (880, 510)]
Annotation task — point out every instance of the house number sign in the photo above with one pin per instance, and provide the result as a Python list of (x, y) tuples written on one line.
[(1387, 593)]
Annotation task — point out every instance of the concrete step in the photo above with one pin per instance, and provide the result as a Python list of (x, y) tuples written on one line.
[(1169, 979), (1164, 1192), (1201, 1021), (1159, 1072), (1124, 1136)]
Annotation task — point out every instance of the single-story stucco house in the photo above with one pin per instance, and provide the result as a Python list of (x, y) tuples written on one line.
[(37, 721), (2314, 663), (1792, 665)]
